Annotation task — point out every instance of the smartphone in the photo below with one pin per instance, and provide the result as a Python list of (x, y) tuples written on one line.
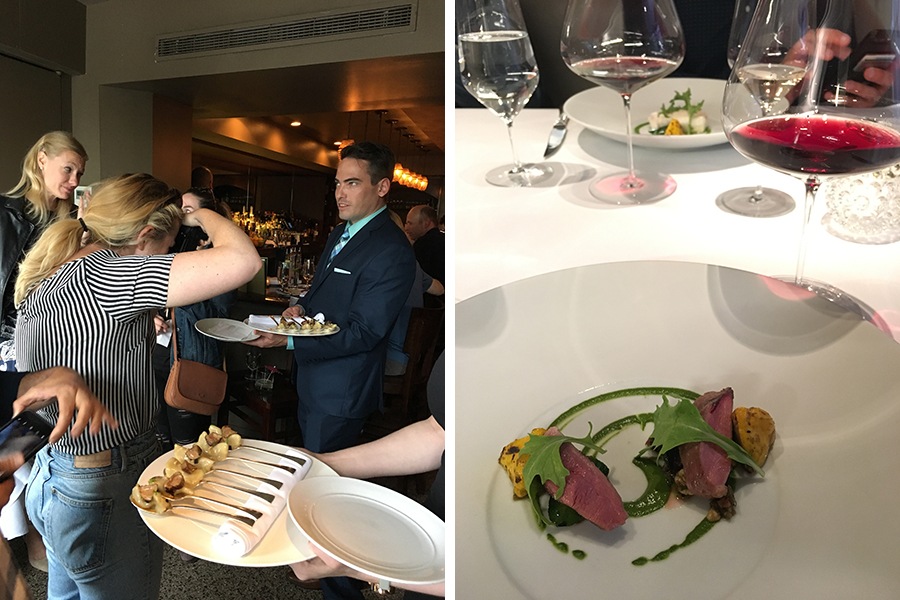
[(82, 195), (27, 433), (878, 49)]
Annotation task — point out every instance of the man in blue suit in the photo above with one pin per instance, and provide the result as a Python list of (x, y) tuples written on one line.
[(361, 283)]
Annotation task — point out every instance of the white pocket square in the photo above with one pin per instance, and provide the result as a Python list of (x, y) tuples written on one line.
[(342, 271)]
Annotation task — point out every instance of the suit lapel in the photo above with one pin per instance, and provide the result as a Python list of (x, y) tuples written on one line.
[(358, 239)]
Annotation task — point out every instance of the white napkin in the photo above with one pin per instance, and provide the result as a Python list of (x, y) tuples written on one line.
[(263, 321), (235, 539)]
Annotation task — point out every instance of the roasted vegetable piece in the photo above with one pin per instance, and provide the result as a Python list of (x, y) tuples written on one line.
[(674, 128), (514, 462), (754, 431)]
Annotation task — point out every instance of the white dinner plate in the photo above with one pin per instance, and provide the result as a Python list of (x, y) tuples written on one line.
[(810, 529), (192, 532), (226, 330), (272, 329), (600, 110), (371, 528)]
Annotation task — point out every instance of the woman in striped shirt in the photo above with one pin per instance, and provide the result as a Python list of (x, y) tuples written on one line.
[(89, 308)]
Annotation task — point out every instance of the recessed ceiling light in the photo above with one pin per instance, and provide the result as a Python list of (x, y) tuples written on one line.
[(337, 143), (295, 123)]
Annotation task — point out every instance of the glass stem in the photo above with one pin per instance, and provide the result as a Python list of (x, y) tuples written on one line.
[(626, 100), (757, 196), (517, 166), (812, 186)]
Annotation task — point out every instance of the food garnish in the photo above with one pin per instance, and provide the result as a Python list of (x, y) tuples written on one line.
[(674, 425), (680, 117)]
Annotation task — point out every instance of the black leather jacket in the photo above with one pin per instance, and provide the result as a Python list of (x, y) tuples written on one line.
[(17, 235)]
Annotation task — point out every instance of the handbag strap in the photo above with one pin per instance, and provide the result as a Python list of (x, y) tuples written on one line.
[(174, 338)]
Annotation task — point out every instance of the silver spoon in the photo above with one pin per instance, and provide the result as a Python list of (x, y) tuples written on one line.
[(290, 470), (296, 459), (275, 484), (247, 520), (263, 495), (253, 513)]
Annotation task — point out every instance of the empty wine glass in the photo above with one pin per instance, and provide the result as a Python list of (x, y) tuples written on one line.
[(307, 271), (755, 201), (796, 101), (624, 45), (497, 66), (253, 363)]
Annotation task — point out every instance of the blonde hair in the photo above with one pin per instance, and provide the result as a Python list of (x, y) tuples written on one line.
[(119, 210), (31, 184)]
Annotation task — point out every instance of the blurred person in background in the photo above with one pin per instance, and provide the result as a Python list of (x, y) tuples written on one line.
[(397, 359), (176, 426)]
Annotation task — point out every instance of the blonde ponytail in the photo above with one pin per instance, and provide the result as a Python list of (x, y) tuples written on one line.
[(55, 246)]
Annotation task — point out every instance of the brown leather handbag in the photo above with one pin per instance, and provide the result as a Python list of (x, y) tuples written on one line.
[(194, 386)]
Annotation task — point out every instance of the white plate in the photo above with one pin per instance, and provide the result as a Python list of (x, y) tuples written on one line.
[(600, 110), (291, 333), (283, 544), (809, 530), (371, 528), (226, 330)]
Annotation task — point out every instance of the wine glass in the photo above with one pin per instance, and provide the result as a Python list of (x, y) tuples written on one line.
[(792, 102), (253, 363), (624, 45), (307, 271), (755, 201), (497, 66)]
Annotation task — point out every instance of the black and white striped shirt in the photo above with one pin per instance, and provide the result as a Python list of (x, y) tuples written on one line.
[(93, 315)]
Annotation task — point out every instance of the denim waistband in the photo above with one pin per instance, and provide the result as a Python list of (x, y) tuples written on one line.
[(118, 455)]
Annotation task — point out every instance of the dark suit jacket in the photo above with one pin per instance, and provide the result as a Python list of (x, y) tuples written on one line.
[(362, 291)]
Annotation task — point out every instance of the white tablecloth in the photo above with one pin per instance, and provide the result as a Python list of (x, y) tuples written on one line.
[(508, 234)]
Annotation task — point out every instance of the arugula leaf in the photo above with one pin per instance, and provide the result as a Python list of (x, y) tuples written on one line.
[(544, 463), (674, 425)]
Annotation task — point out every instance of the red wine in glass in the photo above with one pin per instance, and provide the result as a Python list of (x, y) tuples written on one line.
[(625, 74), (817, 144), (624, 45)]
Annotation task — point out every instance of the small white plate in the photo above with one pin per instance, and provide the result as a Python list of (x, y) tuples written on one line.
[(283, 544), (600, 110), (225, 330), (370, 528)]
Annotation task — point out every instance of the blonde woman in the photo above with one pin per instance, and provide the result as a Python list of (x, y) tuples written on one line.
[(90, 309), (51, 171)]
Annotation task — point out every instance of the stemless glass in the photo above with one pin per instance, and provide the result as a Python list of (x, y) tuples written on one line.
[(798, 102), (497, 66), (756, 201), (624, 45)]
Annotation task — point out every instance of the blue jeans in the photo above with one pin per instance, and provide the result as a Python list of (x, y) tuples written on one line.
[(98, 548)]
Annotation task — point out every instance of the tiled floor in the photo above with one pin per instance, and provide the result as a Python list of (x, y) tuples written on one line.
[(199, 581)]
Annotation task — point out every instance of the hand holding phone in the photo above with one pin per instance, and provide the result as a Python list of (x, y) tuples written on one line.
[(20, 439), (878, 49)]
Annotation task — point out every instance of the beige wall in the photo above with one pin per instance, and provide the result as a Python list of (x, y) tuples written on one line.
[(37, 55), (116, 126)]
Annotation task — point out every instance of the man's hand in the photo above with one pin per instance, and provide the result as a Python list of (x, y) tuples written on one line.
[(73, 398), (267, 340), (322, 566)]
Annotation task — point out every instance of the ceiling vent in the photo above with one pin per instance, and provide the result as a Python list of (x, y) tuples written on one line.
[(368, 22)]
